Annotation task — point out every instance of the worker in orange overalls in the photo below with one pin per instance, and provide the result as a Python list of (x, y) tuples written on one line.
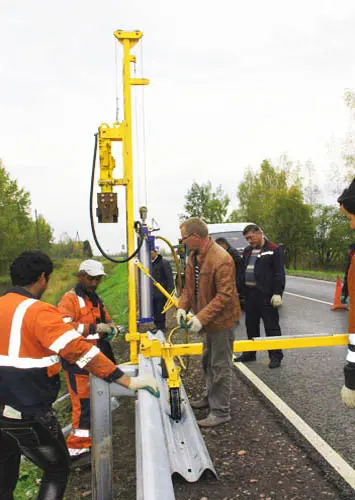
[(347, 206), (85, 308), (33, 338)]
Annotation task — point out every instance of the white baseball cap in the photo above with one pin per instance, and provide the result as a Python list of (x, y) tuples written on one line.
[(92, 268)]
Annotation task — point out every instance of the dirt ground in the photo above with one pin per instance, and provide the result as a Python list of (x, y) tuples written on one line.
[(257, 455)]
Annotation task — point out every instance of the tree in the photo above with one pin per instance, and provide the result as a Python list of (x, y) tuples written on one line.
[(292, 225), (273, 199), (209, 205), (332, 236), (17, 228), (311, 190), (257, 193), (348, 148), (235, 216), (87, 251)]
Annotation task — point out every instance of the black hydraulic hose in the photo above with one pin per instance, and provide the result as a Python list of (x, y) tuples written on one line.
[(116, 261)]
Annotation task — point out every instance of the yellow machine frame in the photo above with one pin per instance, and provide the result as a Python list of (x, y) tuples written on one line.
[(122, 132)]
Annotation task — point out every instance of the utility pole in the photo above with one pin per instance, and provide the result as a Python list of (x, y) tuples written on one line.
[(37, 231)]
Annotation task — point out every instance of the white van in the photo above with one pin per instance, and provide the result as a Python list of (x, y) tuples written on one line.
[(231, 231)]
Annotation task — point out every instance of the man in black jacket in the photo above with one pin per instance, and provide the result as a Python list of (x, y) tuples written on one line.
[(233, 252), (344, 290), (161, 271), (262, 281)]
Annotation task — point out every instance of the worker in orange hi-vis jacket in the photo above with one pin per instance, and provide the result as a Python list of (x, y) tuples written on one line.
[(347, 206), (33, 338), (86, 310)]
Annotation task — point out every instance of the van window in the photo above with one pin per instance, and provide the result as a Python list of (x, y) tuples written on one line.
[(235, 238)]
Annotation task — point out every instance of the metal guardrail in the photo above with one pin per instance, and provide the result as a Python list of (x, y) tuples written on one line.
[(101, 426), (163, 446), (152, 458)]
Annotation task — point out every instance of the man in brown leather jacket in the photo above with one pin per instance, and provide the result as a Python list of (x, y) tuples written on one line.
[(210, 293)]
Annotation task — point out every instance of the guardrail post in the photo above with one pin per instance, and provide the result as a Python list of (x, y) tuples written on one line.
[(101, 439), (101, 431)]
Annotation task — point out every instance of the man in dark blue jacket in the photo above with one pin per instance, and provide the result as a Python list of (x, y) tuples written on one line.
[(262, 281), (161, 271)]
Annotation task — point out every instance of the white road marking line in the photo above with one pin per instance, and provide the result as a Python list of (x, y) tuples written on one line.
[(330, 455), (309, 298)]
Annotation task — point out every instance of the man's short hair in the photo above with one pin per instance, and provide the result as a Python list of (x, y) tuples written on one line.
[(251, 228), (195, 225), (28, 267), (222, 241)]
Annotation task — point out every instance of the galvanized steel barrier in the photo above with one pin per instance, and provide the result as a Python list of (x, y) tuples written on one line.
[(101, 429), (163, 446)]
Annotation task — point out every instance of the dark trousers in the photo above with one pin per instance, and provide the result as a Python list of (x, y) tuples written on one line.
[(42, 442), (218, 367), (257, 306), (159, 317)]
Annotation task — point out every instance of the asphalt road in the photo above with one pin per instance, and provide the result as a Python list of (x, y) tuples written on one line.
[(309, 380)]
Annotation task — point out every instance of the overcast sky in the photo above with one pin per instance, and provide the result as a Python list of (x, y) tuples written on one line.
[(231, 83)]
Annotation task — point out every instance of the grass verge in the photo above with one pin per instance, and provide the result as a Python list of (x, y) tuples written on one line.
[(320, 275)]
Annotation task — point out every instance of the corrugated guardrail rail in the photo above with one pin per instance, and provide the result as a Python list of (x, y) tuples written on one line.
[(163, 446)]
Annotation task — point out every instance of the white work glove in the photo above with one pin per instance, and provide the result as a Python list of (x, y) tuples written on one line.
[(181, 317), (103, 328), (348, 397), (194, 325), (146, 382), (276, 301)]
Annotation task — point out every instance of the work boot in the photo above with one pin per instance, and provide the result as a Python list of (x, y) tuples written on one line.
[(199, 403), (275, 363), (84, 459), (245, 358), (212, 420)]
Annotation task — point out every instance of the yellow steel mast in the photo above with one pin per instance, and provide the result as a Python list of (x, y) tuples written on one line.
[(123, 132)]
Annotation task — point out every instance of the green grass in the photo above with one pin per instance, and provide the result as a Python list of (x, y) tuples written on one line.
[(63, 279), (321, 275), (28, 483), (113, 291), (5, 283)]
